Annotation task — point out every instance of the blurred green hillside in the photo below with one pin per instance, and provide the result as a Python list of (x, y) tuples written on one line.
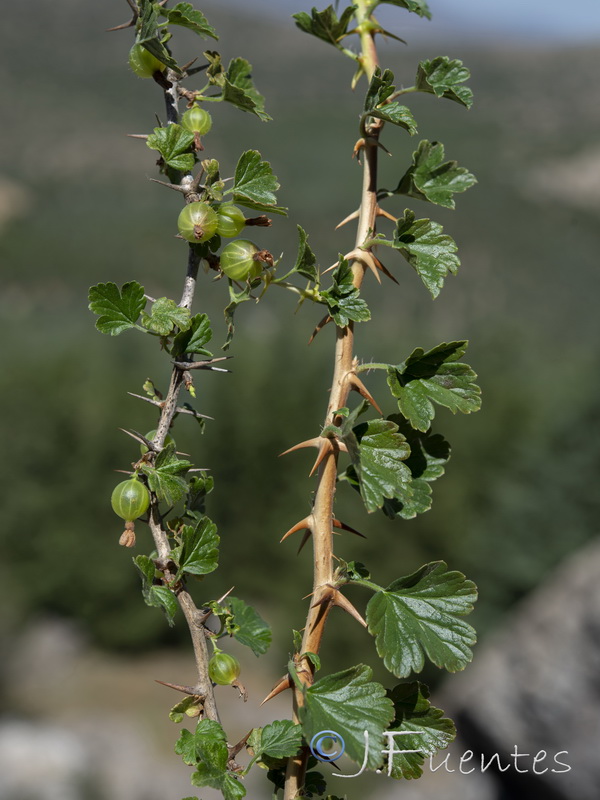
[(77, 208)]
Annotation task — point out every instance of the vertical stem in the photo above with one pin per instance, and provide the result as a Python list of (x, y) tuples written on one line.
[(322, 514)]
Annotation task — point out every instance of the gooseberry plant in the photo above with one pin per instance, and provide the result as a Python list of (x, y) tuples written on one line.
[(391, 461)]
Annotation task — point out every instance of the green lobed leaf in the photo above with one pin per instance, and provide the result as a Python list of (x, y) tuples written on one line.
[(174, 144), (194, 338), (306, 262), (150, 36), (427, 249), (349, 703), (435, 376), (165, 477), (198, 553), (325, 25), (419, 7), (236, 299), (443, 77), (430, 179), (429, 453), (155, 595), (255, 184), (423, 726), (165, 316), (343, 298), (190, 706), (251, 629), (418, 615), (239, 89), (193, 747), (278, 739), (378, 452), (199, 487), (187, 16), (380, 89), (118, 309)]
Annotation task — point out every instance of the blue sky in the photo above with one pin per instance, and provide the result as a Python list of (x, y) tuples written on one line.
[(536, 20)]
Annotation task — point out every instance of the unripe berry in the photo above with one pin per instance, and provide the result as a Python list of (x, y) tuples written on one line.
[(223, 669), (143, 63), (197, 120), (238, 262), (231, 220), (197, 222), (130, 499)]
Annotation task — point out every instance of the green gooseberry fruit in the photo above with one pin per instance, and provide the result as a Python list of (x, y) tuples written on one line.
[(197, 120), (238, 262), (143, 63), (231, 220), (130, 499), (197, 222), (223, 669), (150, 435)]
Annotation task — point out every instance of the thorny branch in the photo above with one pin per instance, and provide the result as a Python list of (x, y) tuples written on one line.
[(324, 595)]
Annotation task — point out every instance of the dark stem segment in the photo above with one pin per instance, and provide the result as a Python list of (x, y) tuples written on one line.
[(194, 617)]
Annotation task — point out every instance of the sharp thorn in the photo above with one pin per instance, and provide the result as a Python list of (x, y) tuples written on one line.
[(123, 26), (384, 269), (227, 593), (307, 443), (137, 135), (178, 688), (305, 538), (339, 600), (342, 526), (299, 526), (381, 212), (358, 386), (325, 448), (280, 686), (174, 186), (349, 218), (326, 319)]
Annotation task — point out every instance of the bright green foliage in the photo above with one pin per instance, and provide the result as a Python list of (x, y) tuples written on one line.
[(174, 144), (418, 615), (165, 316), (194, 337), (431, 730), (279, 739), (190, 706), (419, 7), (429, 453), (430, 178), (150, 36), (392, 461), (443, 77), (118, 309), (350, 703), (325, 25), (236, 84), (378, 452), (206, 749), (198, 553), (343, 298), (377, 104), (167, 477), (427, 249), (154, 595), (306, 262), (435, 376), (185, 15), (245, 624), (255, 184)]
